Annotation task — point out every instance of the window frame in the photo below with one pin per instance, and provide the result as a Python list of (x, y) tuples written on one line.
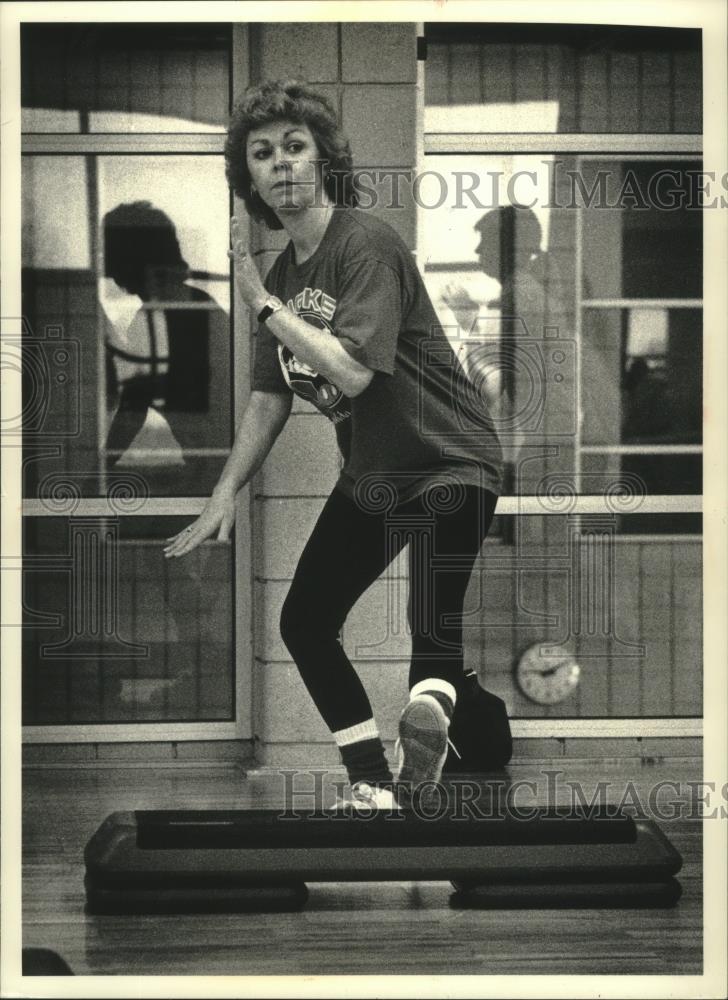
[(241, 727), (593, 146)]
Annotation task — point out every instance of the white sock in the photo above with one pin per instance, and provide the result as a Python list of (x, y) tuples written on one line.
[(361, 731), (431, 684)]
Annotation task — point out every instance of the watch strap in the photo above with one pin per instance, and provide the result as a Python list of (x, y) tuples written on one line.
[(272, 305)]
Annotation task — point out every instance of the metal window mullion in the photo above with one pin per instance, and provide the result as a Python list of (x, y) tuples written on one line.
[(534, 505), (130, 732), (647, 156), (579, 296), (642, 449), (603, 727), (103, 507), (124, 143), (662, 539), (243, 55), (522, 728), (642, 303), (599, 504), (612, 145)]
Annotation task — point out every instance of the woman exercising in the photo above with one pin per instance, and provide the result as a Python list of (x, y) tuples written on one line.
[(345, 322)]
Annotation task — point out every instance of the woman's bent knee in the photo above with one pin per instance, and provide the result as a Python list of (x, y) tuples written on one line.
[(305, 623)]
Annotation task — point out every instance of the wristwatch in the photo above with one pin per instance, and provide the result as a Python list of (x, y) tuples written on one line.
[(272, 305)]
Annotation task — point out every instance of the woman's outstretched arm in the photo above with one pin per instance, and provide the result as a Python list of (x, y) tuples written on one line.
[(261, 423)]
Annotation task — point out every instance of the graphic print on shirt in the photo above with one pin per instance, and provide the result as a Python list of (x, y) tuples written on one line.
[(316, 308)]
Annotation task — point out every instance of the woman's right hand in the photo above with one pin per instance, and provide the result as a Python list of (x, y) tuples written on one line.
[(218, 515)]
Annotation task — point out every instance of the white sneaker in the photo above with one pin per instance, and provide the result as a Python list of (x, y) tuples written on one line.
[(367, 797), (422, 745), (399, 753)]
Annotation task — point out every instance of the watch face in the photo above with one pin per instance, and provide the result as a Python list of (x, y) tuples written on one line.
[(550, 679)]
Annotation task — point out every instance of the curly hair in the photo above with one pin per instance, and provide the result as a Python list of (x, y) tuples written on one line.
[(288, 100)]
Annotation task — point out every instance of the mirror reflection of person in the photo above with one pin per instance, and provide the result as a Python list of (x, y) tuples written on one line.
[(509, 251), (161, 369)]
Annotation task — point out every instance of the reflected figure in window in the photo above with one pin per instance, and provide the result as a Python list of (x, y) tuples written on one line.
[(161, 371), (509, 250)]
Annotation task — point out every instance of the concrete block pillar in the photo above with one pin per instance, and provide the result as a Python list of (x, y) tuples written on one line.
[(368, 72)]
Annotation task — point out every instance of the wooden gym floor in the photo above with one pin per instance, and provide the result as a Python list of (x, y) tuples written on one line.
[(345, 928)]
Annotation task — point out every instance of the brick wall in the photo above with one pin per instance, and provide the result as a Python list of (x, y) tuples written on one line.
[(368, 71)]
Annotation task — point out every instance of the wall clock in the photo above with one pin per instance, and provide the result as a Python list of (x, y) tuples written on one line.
[(547, 680)]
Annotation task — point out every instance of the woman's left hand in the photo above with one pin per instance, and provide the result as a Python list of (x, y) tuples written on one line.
[(247, 278), (463, 307)]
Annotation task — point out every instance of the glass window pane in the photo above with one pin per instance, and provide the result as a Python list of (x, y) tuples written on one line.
[(572, 587), (562, 78), (502, 279), (499, 264), (641, 376), (131, 279), (663, 524), (657, 474), (125, 78), (642, 227), (114, 632)]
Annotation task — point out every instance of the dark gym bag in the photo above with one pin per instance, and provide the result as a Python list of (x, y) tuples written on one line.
[(479, 730)]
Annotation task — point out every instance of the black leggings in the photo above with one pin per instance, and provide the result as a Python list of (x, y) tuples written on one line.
[(349, 548)]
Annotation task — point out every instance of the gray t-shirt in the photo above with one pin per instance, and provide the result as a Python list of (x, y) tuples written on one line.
[(420, 420)]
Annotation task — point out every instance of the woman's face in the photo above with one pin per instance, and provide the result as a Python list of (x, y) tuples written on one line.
[(285, 166)]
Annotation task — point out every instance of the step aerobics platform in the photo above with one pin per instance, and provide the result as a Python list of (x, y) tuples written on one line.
[(262, 859)]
